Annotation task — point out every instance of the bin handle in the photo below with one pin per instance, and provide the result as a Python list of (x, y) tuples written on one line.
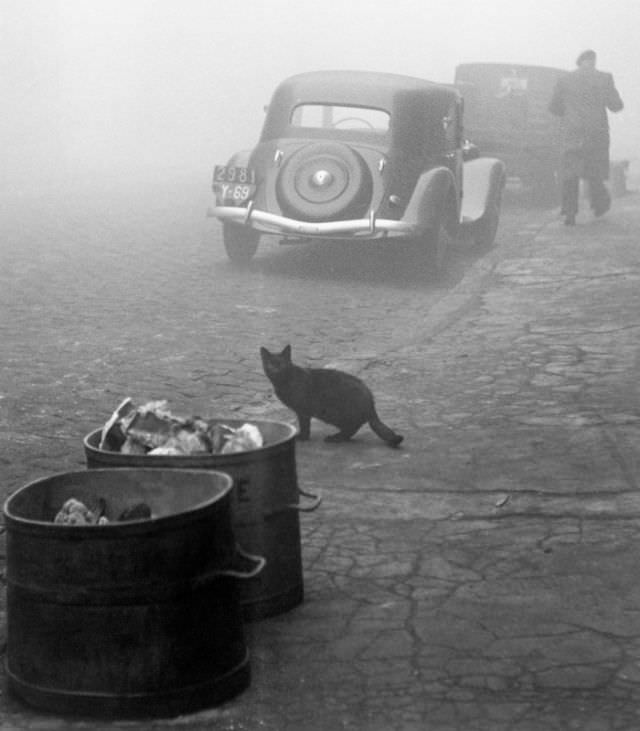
[(260, 563), (315, 501)]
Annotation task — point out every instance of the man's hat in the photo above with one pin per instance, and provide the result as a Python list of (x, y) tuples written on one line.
[(586, 56)]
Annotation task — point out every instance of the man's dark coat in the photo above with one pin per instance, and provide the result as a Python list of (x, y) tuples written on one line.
[(582, 98)]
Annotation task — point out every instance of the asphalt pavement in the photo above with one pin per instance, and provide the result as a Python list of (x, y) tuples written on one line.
[(484, 576)]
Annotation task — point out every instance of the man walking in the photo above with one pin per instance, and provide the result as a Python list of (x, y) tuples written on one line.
[(582, 98)]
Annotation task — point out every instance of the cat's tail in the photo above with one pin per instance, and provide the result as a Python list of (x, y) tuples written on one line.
[(384, 432)]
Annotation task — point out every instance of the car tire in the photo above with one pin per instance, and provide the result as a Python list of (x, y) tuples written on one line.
[(240, 243), (324, 181), (485, 230), (435, 245)]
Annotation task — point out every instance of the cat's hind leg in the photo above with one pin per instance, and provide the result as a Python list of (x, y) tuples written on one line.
[(338, 437), (343, 435)]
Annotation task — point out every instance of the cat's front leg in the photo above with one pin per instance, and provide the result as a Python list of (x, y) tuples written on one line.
[(304, 424)]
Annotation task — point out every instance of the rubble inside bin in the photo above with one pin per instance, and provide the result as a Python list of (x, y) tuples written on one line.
[(151, 429), (75, 512)]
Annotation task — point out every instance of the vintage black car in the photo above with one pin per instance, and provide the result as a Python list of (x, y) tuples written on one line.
[(359, 155)]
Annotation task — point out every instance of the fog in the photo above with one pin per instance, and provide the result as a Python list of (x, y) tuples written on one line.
[(156, 87)]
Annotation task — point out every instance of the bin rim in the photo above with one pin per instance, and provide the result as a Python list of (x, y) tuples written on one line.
[(116, 527), (291, 430)]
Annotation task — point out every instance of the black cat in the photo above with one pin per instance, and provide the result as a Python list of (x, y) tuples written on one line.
[(333, 396)]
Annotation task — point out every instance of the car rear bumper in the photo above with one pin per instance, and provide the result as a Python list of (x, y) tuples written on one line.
[(370, 227)]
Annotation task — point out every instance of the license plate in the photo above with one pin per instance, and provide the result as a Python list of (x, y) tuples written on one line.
[(233, 185), (232, 174)]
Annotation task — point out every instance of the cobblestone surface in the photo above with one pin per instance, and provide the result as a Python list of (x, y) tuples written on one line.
[(481, 578)]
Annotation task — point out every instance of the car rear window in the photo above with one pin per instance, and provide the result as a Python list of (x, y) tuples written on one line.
[(329, 116)]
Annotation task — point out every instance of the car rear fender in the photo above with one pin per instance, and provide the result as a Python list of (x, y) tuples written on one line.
[(434, 192), (484, 180)]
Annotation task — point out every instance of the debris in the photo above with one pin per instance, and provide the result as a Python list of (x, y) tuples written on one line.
[(182, 441), (151, 424), (112, 437), (74, 512), (243, 439), (219, 434), (501, 501), (130, 446), (152, 429), (166, 450)]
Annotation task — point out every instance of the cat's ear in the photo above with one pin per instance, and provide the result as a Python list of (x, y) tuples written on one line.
[(264, 353), (287, 352)]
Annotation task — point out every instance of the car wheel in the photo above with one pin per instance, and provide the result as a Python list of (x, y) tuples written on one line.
[(240, 243), (324, 181), (435, 245), (485, 230)]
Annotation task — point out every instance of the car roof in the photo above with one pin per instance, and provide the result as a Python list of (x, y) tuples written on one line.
[(373, 88), (412, 102)]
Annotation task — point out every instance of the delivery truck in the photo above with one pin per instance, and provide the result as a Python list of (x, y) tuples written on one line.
[(507, 116)]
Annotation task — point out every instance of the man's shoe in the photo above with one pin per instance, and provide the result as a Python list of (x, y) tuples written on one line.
[(569, 220)]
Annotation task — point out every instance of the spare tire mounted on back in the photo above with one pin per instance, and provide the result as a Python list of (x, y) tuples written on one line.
[(324, 181)]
